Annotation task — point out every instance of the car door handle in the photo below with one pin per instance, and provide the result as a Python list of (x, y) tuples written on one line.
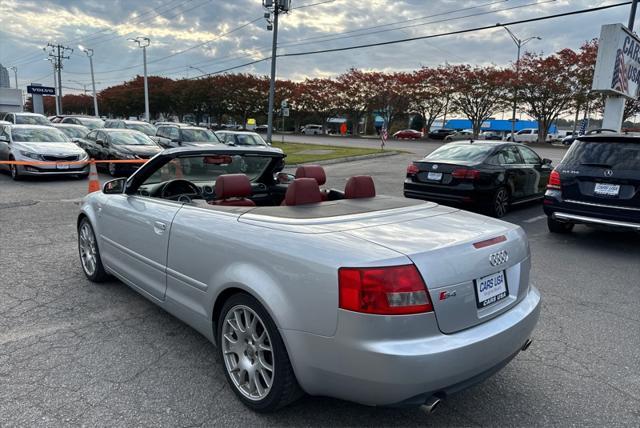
[(159, 227)]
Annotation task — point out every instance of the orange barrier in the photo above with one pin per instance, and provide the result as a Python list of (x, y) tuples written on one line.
[(94, 183), (91, 161)]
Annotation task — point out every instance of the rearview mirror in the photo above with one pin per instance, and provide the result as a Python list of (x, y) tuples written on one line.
[(114, 187)]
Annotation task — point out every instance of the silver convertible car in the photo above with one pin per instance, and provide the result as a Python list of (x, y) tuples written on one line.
[(341, 293)]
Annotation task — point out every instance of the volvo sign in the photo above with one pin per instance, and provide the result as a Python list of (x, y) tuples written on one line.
[(41, 90)]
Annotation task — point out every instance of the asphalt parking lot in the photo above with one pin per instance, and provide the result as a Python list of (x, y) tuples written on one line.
[(77, 353)]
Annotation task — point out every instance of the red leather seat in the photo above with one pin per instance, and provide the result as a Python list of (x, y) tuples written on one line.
[(317, 173), (359, 186), (232, 190), (302, 191)]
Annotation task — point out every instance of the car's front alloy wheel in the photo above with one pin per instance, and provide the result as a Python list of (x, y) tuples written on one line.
[(13, 169), (500, 203), (255, 360), (89, 252)]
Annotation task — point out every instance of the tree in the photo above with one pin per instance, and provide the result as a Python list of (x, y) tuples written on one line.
[(478, 92), (427, 94), (547, 86), (388, 94), (319, 97), (353, 95)]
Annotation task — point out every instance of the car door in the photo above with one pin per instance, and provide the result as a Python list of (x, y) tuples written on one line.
[(163, 136), (537, 172), (135, 236), (89, 144), (509, 158)]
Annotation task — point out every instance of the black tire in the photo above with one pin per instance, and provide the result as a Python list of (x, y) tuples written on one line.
[(558, 226), (13, 171), (82, 176), (285, 389), (498, 206), (99, 274)]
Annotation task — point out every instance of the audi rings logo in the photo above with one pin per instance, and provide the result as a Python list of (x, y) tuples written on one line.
[(498, 258), (608, 173)]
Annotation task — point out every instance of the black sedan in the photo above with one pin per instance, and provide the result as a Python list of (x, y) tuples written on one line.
[(439, 134), (487, 175), (119, 144)]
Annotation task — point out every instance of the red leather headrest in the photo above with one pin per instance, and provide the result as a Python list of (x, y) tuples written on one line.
[(312, 171), (359, 186), (302, 191), (232, 186)]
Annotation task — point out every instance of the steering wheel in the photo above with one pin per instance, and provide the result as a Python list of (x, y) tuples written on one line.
[(175, 190)]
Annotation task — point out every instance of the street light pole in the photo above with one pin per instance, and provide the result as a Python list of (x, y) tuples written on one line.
[(632, 15), (519, 43), (89, 53), (15, 74), (276, 7), (144, 42)]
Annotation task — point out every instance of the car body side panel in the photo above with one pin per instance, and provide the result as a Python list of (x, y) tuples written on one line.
[(293, 274)]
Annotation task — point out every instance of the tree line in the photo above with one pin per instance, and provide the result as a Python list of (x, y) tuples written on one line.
[(544, 87)]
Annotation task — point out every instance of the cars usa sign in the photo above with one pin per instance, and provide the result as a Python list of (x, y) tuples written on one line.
[(618, 64)]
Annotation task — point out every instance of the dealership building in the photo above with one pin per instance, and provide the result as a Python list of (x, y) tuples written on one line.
[(498, 126)]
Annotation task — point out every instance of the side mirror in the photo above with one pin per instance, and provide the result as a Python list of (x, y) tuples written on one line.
[(284, 178), (114, 187), (546, 161)]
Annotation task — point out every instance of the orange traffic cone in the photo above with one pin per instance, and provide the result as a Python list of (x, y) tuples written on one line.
[(94, 183)]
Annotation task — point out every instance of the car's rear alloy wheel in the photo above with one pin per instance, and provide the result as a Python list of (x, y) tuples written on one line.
[(13, 169), (500, 203), (256, 362), (89, 253)]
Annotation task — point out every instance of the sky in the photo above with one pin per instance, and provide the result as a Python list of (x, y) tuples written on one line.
[(193, 37)]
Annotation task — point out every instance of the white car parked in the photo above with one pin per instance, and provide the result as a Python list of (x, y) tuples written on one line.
[(528, 135), (312, 130)]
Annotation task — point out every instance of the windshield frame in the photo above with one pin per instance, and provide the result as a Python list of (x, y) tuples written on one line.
[(215, 138), (13, 132)]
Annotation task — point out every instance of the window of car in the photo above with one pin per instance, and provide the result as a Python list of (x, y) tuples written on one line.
[(615, 155), (172, 132), (92, 136), (249, 140), (38, 135), (192, 135), (460, 152), (145, 128), (4, 132), (90, 122), (529, 156), (509, 156), (133, 138), (73, 132)]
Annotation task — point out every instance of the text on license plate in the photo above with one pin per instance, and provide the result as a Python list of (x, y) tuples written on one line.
[(62, 166), (490, 289), (607, 189), (436, 176)]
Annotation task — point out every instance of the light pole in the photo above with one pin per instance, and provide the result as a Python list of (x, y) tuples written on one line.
[(89, 53), (144, 42), (519, 43), (276, 7)]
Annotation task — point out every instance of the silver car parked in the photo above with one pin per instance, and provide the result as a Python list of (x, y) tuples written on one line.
[(374, 299), (29, 143)]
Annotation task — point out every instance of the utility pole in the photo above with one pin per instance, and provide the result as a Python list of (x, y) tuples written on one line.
[(55, 84), (15, 74), (89, 53), (144, 42), (519, 43), (58, 53), (632, 15), (274, 7)]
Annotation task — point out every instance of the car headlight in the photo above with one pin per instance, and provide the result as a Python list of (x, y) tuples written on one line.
[(83, 156), (31, 155)]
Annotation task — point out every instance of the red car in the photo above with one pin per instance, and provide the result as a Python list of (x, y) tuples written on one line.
[(410, 134)]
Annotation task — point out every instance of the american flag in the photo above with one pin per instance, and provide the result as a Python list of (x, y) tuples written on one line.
[(620, 81), (383, 136), (583, 127)]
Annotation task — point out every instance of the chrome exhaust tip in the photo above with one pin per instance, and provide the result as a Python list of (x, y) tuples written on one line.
[(527, 344), (430, 405)]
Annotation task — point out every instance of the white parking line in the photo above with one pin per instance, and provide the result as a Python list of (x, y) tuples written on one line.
[(534, 219)]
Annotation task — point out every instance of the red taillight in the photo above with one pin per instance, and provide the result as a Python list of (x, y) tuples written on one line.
[(393, 290), (489, 242), (412, 169), (465, 174), (554, 180)]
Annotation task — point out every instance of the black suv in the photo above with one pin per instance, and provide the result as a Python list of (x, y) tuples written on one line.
[(597, 182)]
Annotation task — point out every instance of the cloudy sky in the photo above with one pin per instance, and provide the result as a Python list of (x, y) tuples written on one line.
[(192, 37)]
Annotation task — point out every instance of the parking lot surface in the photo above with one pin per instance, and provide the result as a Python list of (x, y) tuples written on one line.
[(77, 353)]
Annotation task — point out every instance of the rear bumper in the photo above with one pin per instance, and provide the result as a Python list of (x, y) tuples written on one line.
[(452, 194), (574, 218), (356, 365), (588, 213)]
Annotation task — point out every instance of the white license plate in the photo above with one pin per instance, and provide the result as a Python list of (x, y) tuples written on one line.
[(490, 289), (607, 189), (435, 176), (62, 166)]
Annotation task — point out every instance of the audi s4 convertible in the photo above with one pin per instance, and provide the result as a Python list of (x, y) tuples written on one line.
[(331, 292)]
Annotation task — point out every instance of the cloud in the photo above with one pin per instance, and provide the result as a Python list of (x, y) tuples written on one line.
[(176, 26)]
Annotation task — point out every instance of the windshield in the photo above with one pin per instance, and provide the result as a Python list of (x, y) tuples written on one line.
[(249, 140), (74, 132), (130, 139), (461, 152), (145, 128), (613, 155), (193, 135), (38, 135), (24, 119), (91, 123), (206, 169)]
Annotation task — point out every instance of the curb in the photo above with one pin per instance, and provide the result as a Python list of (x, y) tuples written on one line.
[(344, 159)]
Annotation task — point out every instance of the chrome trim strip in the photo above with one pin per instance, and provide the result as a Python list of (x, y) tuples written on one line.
[(583, 219), (593, 204)]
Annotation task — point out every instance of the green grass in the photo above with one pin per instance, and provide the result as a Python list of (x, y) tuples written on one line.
[(296, 152)]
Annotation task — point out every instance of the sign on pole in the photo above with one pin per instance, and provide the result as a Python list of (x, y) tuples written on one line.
[(285, 112), (41, 90), (617, 69)]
